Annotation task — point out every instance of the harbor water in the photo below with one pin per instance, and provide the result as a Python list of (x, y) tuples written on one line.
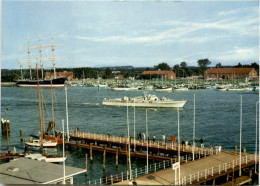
[(217, 120)]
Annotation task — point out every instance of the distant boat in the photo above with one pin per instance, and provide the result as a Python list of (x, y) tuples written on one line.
[(241, 89), (43, 82), (56, 83), (181, 89), (163, 89), (125, 88), (221, 88), (144, 101)]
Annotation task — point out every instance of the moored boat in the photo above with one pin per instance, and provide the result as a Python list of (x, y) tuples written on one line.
[(161, 89), (145, 101), (56, 83), (46, 158), (37, 143)]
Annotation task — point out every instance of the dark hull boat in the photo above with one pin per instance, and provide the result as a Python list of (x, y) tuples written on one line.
[(55, 83)]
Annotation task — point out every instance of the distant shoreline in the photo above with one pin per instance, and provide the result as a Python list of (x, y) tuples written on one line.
[(8, 84)]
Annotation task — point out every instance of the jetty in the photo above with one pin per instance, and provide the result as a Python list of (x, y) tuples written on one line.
[(158, 151), (211, 170), (196, 166)]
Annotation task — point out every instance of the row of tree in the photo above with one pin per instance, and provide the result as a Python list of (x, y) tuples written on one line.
[(181, 70)]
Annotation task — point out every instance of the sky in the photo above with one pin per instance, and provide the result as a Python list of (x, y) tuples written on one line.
[(137, 33)]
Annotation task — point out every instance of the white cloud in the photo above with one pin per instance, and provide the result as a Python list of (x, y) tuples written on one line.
[(239, 54), (185, 31)]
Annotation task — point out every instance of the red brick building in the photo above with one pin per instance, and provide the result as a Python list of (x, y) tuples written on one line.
[(230, 73), (119, 76), (68, 75), (166, 74)]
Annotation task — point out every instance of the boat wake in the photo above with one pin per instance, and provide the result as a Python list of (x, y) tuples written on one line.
[(90, 103)]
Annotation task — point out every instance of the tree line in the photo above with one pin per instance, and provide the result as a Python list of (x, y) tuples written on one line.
[(181, 70)]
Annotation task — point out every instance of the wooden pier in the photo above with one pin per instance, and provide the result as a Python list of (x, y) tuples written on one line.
[(212, 170), (158, 151), (208, 166)]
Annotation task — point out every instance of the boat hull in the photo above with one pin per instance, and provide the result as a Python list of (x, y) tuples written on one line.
[(45, 144), (163, 89), (173, 104), (56, 83), (123, 89)]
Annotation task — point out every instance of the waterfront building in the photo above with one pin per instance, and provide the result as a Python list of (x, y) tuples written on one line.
[(65, 74), (230, 73), (166, 74), (28, 171), (119, 76)]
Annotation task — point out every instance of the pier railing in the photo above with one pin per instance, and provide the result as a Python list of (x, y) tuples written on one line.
[(214, 170), (184, 180), (134, 173), (201, 152)]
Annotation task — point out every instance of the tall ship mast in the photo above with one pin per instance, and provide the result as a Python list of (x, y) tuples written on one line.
[(43, 82)]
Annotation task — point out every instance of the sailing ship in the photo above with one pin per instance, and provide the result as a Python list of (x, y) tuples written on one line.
[(43, 82)]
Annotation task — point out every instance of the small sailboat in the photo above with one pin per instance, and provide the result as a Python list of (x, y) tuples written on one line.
[(37, 143), (41, 142)]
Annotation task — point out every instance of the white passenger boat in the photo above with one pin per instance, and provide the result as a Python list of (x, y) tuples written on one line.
[(144, 101)]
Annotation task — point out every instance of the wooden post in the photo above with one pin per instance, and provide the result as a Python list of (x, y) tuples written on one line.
[(21, 136), (117, 156), (90, 151), (86, 164), (104, 158)]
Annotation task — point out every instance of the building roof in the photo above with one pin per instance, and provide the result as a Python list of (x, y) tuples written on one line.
[(159, 72), (34, 172), (228, 70)]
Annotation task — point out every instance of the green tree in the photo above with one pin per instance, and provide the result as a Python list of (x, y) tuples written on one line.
[(183, 65), (203, 64), (162, 66), (239, 65), (218, 65), (108, 73), (255, 65), (176, 69)]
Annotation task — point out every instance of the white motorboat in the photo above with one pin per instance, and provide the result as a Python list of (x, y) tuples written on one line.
[(180, 89), (161, 89), (124, 88), (144, 101), (37, 143)]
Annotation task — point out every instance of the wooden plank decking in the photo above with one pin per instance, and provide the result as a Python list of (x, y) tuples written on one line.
[(196, 172)]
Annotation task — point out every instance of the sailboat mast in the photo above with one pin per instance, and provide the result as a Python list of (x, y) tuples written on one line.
[(29, 59), (40, 50), (43, 121), (39, 102), (53, 59), (52, 111), (21, 65)]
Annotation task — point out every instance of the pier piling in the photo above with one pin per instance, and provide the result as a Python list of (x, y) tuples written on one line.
[(104, 158), (90, 151), (116, 157), (21, 136), (86, 164)]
